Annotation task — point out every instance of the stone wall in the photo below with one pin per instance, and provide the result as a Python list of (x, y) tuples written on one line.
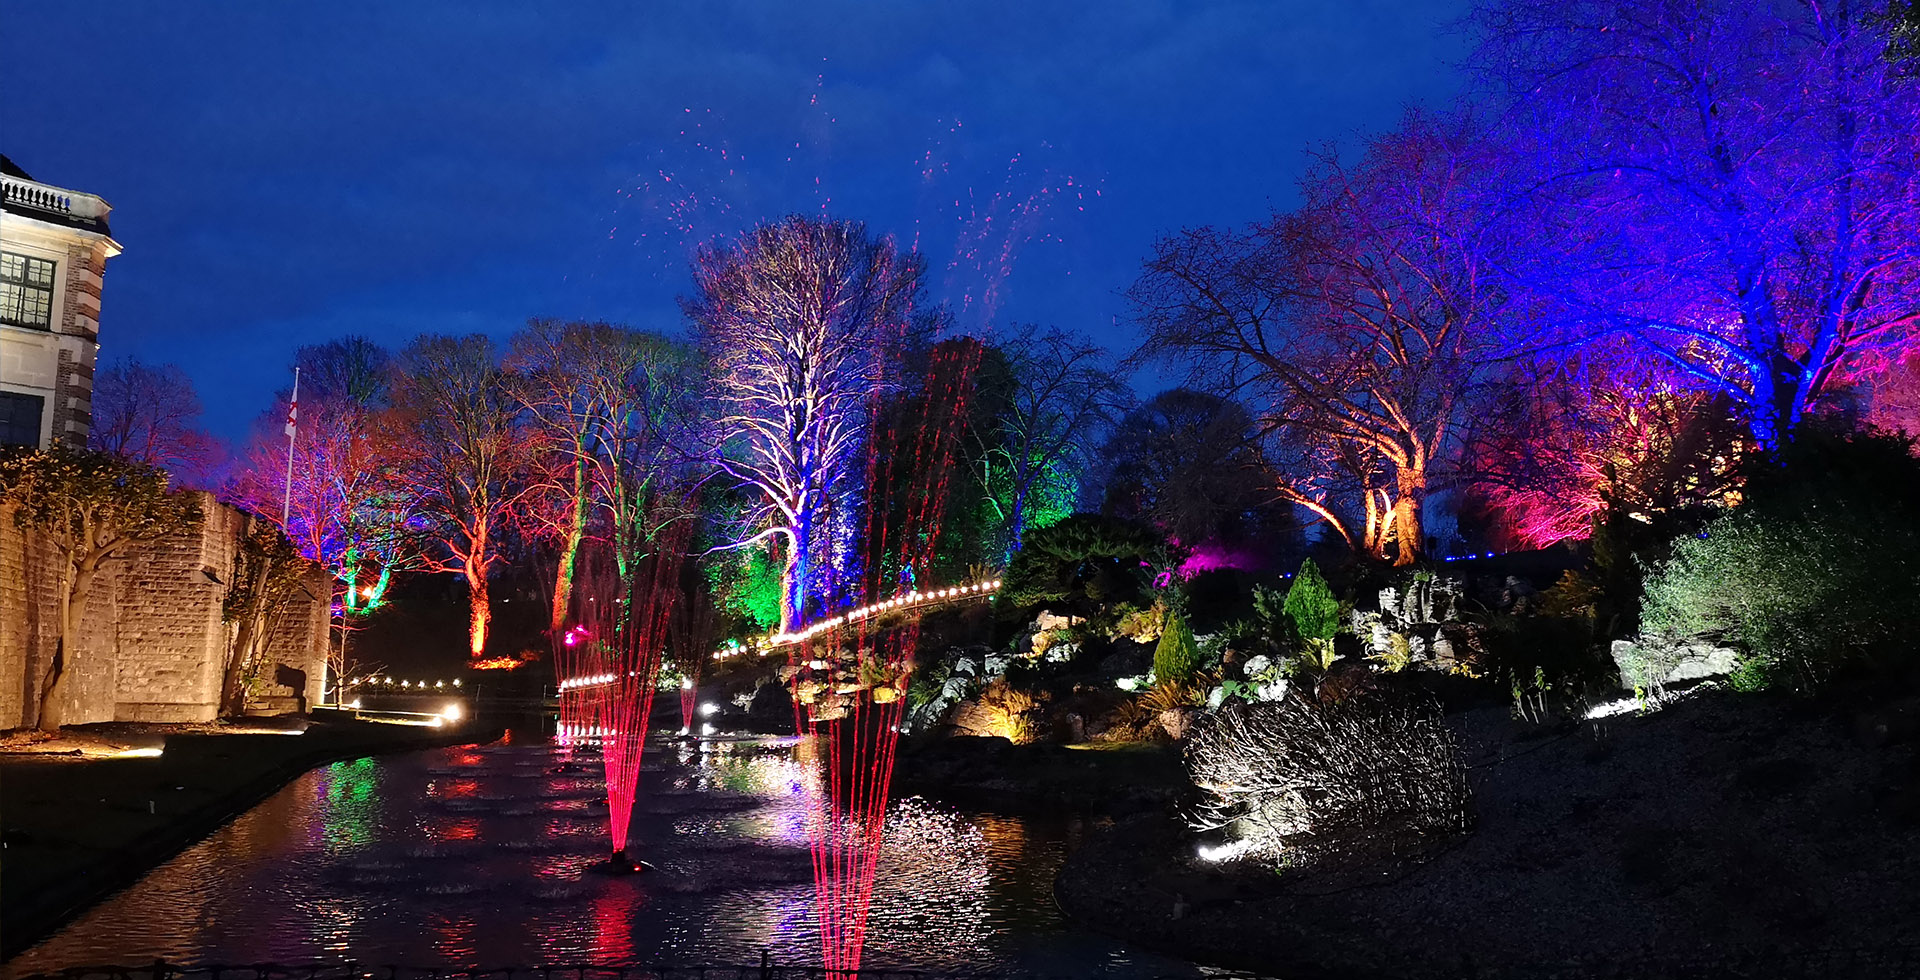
[(151, 643)]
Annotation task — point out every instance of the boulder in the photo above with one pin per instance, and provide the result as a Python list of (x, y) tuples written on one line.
[(1651, 663), (1176, 721), (1048, 621), (972, 718)]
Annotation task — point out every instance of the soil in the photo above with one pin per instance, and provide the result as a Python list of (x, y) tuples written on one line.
[(1098, 778), (1723, 836)]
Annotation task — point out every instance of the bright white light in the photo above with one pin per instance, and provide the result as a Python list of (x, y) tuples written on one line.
[(366, 593), (1608, 709), (706, 728), (1223, 852), (686, 683), (709, 709), (456, 682), (138, 753), (354, 704), (452, 712)]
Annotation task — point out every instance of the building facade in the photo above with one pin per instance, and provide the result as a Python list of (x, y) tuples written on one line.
[(54, 247)]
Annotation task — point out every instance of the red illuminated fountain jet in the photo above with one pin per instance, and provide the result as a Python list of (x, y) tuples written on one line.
[(850, 672), (613, 664)]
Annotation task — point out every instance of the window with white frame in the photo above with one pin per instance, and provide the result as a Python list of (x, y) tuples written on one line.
[(26, 291)]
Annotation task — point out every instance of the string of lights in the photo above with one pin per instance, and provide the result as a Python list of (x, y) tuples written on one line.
[(905, 600)]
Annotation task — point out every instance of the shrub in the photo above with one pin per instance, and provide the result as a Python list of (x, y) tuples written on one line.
[(1817, 570), (1315, 612), (1177, 659), (1301, 780), (1800, 597), (1011, 712), (1085, 560)]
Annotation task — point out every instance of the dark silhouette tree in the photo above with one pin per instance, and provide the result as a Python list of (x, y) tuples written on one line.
[(150, 414)]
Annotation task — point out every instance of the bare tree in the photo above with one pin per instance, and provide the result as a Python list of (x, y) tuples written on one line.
[(461, 448), (553, 364), (800, 318), (150, 414), (346, 507), (1360, 325), (1063, 396), (1731, 186)]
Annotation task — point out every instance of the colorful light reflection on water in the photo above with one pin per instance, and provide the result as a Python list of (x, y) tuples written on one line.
[(478, 857)]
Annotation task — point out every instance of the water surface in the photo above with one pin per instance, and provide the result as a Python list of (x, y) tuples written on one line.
[(478, 855)]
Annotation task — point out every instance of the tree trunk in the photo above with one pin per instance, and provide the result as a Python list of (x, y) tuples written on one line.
[(1016, 520), (233, 694), (53, 687), (794, 580), (563, 575), (1408, 532), (480, 613)]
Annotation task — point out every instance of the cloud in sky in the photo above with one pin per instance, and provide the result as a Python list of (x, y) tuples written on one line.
[(284, 173)]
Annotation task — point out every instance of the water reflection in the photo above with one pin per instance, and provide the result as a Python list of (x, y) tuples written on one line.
[(477, 856)]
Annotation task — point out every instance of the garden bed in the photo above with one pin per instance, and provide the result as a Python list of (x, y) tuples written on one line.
[(1722, 835)]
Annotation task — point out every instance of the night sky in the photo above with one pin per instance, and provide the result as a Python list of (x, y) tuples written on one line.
[(286, 173)]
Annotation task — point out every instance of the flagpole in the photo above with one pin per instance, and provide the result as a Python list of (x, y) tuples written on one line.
[(293, 412)]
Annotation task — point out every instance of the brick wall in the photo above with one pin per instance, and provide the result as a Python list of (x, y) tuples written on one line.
[(79, 326), (151, 643)]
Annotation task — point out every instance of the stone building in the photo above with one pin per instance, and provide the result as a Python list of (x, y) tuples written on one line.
[(54, 247), (152, 642)]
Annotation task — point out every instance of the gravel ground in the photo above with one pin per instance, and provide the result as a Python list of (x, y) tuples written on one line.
[(1724, 836), (116, 739)]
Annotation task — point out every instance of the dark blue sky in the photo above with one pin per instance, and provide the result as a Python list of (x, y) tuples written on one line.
[(284, 173)]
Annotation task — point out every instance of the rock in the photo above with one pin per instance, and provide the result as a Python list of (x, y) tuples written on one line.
[(1048, 621), (1176, 721), (1652, 663), (972, 718)]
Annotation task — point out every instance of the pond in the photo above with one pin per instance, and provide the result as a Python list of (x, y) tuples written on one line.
[(478, 856)]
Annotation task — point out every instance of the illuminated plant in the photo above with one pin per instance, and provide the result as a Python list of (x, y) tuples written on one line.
[(89, 506), (460, 447), (801, 320), (150, 414), (1727, 187), (1362, 325), (1176, 659), (1063, 395), (346, 506), (1304, 779), (610, 411), (1315, 613)]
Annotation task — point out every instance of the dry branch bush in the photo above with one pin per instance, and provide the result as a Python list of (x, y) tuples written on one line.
[(1299, 779)]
